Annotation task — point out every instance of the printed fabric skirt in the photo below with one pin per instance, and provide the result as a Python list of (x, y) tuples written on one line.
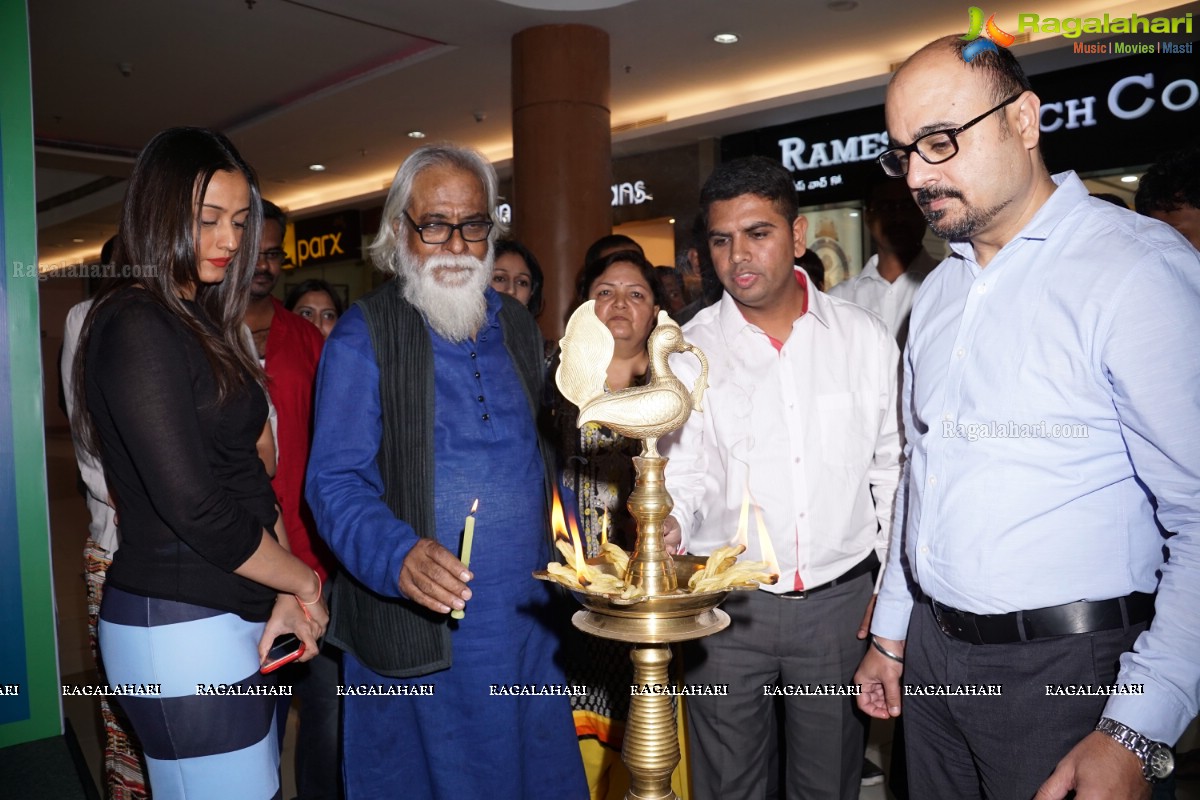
[(124, 773), (205, 734)]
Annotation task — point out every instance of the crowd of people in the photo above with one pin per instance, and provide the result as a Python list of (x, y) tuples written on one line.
[(375, 480)]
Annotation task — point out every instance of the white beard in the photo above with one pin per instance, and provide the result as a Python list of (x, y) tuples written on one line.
[(448, 290)]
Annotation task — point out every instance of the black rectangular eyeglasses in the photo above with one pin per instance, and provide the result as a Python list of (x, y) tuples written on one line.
[(935, 147), (440, 232)]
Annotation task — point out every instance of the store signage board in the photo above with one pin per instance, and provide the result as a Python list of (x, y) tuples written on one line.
[(328, 239), (630, 193), (831, 158), (1097, 116), (1124, 112)]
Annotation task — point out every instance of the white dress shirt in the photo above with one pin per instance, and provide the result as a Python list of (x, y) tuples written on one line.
[(891, 301), (810, 429), (1051, 401)]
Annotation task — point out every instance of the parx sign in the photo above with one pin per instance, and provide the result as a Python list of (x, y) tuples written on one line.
[(333, 237)]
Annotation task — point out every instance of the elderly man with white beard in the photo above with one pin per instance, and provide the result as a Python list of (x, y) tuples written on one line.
[(427, 399)]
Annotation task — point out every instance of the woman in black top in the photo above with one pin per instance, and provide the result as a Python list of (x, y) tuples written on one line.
[(174, 407)]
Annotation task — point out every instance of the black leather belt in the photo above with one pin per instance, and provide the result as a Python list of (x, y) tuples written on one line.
[(1042, 623), (865, 567)]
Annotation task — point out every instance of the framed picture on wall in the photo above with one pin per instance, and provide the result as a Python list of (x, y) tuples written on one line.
[(836, 235)]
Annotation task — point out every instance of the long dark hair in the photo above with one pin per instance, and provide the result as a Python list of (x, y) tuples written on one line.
[(155, 250)]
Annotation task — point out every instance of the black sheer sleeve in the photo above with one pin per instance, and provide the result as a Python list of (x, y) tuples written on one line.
[(145, 372)]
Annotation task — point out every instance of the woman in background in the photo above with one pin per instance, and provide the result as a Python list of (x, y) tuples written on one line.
[(317, 302), (174, 407), (516, 272)]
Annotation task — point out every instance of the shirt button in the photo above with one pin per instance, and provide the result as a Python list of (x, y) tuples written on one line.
[(480, 398), (924, 549), (797, 459), (960, 352), (947, 416), (933, 480), (472, 355), (485, 416), (982, 289), (476, 374)]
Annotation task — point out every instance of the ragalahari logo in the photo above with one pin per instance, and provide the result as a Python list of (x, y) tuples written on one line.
[(990, 33)]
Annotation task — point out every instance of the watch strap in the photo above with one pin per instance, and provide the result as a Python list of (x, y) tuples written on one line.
[(1148, 751)]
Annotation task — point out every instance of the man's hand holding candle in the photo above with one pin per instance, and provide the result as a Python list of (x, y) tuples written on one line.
[(433, 577)]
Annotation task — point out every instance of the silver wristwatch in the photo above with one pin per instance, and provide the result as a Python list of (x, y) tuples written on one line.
[(1157, 759)]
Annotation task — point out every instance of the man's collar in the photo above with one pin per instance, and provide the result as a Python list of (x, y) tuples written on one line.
[(1070, 193), (493, 306), (870, 270), (732, 322), (917, 269), (818, 304)]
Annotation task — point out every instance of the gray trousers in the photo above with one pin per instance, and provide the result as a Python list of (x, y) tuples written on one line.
[(1000, 748), (788, 642)]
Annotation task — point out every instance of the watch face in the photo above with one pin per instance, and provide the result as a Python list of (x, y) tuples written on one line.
[(1160, 762)]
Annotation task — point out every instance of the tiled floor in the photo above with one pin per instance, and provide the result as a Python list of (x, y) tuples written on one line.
[(68, 525)]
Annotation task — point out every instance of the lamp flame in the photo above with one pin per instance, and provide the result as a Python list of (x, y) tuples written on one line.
[(567, 530), (474, 506), (604, 530), (558, 523), (764, 541)]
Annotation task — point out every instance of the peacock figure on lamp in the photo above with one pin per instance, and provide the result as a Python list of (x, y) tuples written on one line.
[(639, 412)]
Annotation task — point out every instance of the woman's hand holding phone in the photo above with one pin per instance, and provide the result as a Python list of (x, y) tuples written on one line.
[(284, 650), (289, 616)]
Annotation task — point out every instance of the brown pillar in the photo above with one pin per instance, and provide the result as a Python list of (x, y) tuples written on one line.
[(562, 153)]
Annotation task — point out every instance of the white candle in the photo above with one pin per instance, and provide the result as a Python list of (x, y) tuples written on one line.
[(469, 535), (467, 541)]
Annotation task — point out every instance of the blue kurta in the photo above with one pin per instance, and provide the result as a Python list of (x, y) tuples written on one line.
[(461, 741)]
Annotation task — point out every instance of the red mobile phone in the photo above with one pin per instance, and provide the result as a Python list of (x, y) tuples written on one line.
[(284, 650)]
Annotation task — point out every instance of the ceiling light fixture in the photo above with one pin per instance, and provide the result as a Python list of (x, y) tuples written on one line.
[(726, 38), (1129, 179), (317, 167), (416, 134), (77, 240)]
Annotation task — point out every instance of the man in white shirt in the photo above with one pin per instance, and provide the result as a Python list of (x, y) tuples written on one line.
[(801, 414), (890, 278)]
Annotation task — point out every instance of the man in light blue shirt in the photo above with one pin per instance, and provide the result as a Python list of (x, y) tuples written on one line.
[(1052, 415)]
